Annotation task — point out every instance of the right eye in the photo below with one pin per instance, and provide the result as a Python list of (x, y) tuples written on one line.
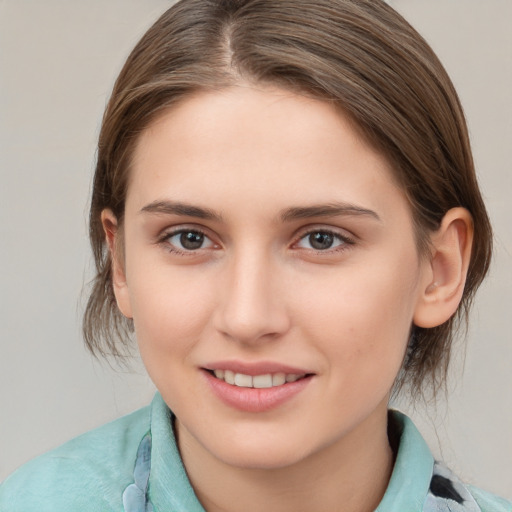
[(188, 240)]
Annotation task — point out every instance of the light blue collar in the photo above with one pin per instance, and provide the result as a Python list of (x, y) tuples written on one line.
[(168, 487), (412, 471)]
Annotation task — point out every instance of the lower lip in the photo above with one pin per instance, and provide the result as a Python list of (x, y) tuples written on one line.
[(255, 399)]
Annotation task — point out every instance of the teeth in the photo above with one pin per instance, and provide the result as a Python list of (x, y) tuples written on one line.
[(229, 376), (243, 381), (262, 381), (278, 379), (258, 381)]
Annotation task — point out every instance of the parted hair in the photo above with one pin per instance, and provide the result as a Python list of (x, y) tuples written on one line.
[(359, 55)]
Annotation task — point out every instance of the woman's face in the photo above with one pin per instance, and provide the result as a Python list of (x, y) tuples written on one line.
[(266, 242)]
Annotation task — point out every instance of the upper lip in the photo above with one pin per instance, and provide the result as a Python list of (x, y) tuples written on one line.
[(255, 368)]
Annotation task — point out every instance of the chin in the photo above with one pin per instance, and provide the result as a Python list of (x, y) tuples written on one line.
[(261, 459), (258, 453)]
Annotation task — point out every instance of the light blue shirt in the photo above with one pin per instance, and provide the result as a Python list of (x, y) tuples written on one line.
[(133, 465)]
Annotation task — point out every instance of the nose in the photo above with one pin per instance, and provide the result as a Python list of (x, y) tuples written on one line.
[(252, 306)]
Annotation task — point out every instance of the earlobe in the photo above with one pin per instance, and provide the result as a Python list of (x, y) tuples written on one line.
[(445, 273), (114, 242)]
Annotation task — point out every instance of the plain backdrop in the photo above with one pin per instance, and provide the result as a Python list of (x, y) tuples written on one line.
[(58, 61)]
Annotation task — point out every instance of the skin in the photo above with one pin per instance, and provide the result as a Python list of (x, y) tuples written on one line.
[(257, 290)]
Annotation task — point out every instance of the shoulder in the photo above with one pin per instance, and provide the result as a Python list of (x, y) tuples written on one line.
[(418, 482), (448, 494), (489, 502), (87, 473)]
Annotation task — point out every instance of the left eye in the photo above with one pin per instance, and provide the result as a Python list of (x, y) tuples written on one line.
[(189, 240), (321, 240)]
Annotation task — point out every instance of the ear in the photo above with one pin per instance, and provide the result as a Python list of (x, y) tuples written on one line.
[(115, 246), (445, 272)]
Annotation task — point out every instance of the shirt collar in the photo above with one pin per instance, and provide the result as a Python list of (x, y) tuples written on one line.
[(412, 471), (170, 488)]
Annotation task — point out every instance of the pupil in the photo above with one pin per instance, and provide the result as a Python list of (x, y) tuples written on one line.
[(191, 240), (321, 240)]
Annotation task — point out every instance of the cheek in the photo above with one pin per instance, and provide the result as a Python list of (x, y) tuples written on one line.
[(363, 316), (170, 309)]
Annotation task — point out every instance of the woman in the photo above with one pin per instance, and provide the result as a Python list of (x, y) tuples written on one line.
[(285, 212)]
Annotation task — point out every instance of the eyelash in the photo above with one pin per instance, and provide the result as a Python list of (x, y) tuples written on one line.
[(165, 241), (346, 241)]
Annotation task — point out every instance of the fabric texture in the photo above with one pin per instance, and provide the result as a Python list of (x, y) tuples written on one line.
[(133, 465)]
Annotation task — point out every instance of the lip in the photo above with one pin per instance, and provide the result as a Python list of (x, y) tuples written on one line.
[(255, 400), (256, 368)]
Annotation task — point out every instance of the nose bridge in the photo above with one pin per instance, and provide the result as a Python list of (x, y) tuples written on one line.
[(251, 306)]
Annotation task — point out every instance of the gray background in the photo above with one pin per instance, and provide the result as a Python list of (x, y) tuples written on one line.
[(58, 60)]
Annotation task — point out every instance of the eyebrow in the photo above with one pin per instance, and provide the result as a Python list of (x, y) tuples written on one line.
[(166, 207), (326, 210), (178, 208)]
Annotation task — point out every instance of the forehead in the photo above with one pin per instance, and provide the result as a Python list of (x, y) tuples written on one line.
[(253, 142)]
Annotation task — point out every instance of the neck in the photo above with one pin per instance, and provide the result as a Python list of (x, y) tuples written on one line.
[(350, 475)]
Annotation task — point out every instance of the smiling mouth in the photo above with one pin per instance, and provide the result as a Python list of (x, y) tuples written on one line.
[(268, 380)]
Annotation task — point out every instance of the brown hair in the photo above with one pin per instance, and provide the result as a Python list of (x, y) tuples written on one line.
[(359, 55)]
